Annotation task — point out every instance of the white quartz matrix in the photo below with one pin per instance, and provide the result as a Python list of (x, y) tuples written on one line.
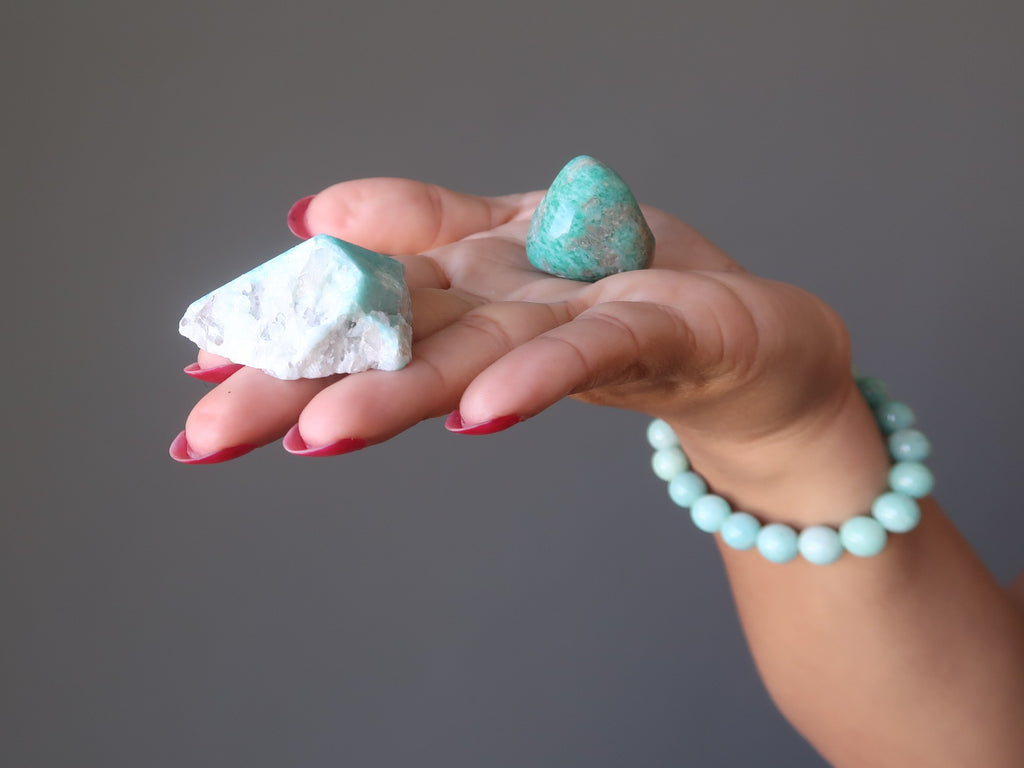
[(323, 307)]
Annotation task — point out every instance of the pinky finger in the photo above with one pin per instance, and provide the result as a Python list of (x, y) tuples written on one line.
[(607, 352)]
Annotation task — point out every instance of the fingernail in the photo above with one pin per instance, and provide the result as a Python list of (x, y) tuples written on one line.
[(181, 452), (295, 445), (297, 218), (212, 375), (454, 423)]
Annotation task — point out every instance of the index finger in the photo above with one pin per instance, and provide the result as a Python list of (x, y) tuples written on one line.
[(401, 216)]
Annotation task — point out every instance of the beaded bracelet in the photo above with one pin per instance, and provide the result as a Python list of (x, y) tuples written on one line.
[(894, 511)]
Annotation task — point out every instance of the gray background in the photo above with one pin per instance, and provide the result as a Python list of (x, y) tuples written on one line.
[(530, 598)]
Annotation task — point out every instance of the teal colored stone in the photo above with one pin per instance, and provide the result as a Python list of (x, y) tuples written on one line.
[(685, 488), (897, 512), (894, 416), (709, 512), (873, 390), (777, 543), (740, 530), (588, 225), (863, 536), (820, 544), (669, 462), (909, 445), (660, 435), (912, 478)]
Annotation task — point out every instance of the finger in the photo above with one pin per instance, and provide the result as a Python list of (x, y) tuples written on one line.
[(249, 409), (615, 351), (211, 368), (400, 216), (208, 360), (252, 408), (376, 405)]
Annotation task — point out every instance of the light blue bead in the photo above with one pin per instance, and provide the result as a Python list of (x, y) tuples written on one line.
[(660, 435), (897, 512), (709, 512), (912, 478), (893, 416), (669, 462), (873, 390), (820, 544), (909, 445), (740, 530), (863, 536), (686, 487), (777, 542)]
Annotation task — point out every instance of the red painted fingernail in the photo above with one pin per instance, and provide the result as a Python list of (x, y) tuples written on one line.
[(181, 452), (295, 445), (455, 424), (297, 218), (212, 375)]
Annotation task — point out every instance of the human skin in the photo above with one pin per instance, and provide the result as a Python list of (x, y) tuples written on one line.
[(913, 657)]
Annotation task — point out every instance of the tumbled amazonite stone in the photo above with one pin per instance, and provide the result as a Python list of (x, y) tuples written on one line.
[(323, 307), (588, 225)]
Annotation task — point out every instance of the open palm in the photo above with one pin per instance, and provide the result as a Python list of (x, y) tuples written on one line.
[(695, 338)]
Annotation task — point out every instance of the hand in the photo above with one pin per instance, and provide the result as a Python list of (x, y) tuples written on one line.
[(721, 354)]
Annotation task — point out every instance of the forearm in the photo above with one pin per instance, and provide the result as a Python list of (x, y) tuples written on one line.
[(912, 657)]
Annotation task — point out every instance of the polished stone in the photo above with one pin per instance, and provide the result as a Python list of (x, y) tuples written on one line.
[(588, 225), (323, 307)]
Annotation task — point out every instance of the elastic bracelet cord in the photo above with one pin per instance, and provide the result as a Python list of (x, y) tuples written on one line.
[(894, 511)]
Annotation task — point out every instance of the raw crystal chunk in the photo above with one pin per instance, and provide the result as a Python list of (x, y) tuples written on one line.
[(323, 307), (588, 225)]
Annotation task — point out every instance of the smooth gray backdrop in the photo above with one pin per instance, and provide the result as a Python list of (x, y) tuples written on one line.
[(526, 599)]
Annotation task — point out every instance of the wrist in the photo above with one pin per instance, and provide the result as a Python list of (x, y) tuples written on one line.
[(823, 469)]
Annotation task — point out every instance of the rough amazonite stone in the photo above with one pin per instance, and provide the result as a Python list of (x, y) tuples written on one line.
[(588, 225), (323, 307)]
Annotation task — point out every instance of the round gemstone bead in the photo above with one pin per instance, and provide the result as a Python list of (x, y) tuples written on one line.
[(912, 478), (820, 544), (686, 487), (897, 512), (709, 512), (669, 462), (660, 435), (873, 390), (909, 445), (777, 542), (863, 536), (893, 416), (740, 530)]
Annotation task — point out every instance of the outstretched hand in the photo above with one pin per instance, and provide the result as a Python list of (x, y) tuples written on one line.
[(694, 339)]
